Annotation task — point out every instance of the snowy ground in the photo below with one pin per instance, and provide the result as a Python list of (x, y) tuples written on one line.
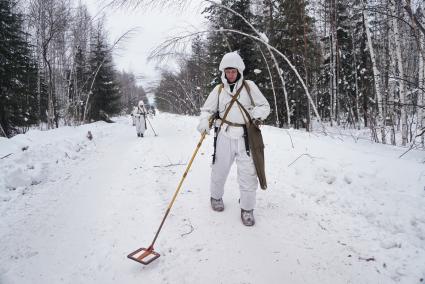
[(335, 211)]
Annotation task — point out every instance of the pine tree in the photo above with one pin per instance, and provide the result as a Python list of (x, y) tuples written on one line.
[(196, 73), (346, 79), (293, 37), (79, 70), (18, 72), (349, 63), (362, 66), (222, 42), (78, 84), (104, 95), (244, 45), (217, 44)]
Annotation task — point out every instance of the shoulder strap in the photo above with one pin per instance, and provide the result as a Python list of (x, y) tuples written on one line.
[(220, 88), (245, 111), (248, 91), (234, 99)]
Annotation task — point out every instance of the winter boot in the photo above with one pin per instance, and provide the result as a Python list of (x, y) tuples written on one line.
[(141, 134), (217, 204), (138, 134), (247, 217)]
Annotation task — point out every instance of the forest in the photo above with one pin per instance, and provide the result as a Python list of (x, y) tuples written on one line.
[(348, 64), (57, 68), (326, 63)]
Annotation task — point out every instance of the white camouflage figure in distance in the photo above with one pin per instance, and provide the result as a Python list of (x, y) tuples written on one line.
[(231, 145), (133, 118), (139, 116)]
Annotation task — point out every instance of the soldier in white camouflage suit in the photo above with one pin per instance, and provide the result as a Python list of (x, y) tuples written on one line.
[(231, 143), (139, 116)]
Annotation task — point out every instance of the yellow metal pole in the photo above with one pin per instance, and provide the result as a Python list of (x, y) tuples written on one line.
[(178, 188)]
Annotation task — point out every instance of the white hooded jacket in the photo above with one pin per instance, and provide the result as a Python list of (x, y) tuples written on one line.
[(260, 109), (140, 110)]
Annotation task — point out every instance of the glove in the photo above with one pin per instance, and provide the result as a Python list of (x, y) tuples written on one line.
[(204, 126), (257, 121)]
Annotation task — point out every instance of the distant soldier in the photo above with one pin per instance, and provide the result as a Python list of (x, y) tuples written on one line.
[(140, 119), (133, 118), (149, 109)]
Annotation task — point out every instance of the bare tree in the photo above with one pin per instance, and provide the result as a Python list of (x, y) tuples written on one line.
[(50, 20)]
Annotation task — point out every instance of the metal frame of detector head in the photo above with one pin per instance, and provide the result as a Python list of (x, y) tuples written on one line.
[(150, 254)]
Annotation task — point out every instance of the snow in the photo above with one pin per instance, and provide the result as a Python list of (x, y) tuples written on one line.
[(335, 211)]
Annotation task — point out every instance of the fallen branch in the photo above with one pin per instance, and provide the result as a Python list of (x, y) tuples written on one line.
[(305, 154), (191, 230), (412, 145), (170, 165), (290, 137), (321, 226), (367, 259), (422, 132), (6, 156)]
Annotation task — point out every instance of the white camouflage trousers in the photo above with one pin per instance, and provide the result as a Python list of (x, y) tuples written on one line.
[(227, 150), (140, 124)]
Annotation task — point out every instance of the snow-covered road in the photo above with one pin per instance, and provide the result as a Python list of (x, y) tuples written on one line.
[(335, 211)]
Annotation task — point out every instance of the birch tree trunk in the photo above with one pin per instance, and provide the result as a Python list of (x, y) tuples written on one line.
[(390, 88), (356, 80), (376, 73), (308, 122), (403, 112), (421, 99), (333, 93), (417, 24), (336, 69)]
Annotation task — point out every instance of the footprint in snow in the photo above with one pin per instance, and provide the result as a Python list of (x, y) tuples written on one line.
[(348, 179)]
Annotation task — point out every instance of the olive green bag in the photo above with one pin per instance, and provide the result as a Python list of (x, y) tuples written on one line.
[(256, 143)]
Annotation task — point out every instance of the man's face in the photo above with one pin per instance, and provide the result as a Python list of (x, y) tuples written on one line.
[(231, 74)]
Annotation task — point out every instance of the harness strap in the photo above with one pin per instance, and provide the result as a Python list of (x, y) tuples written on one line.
[(232, 123), (248, 90), (233, 100), (217, 129), (223, 120), (245, 129)]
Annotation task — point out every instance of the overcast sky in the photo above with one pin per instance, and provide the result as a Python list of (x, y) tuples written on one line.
[(154, 25)]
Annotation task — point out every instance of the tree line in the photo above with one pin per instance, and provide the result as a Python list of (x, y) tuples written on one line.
[(56, 67), (345, 63)]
